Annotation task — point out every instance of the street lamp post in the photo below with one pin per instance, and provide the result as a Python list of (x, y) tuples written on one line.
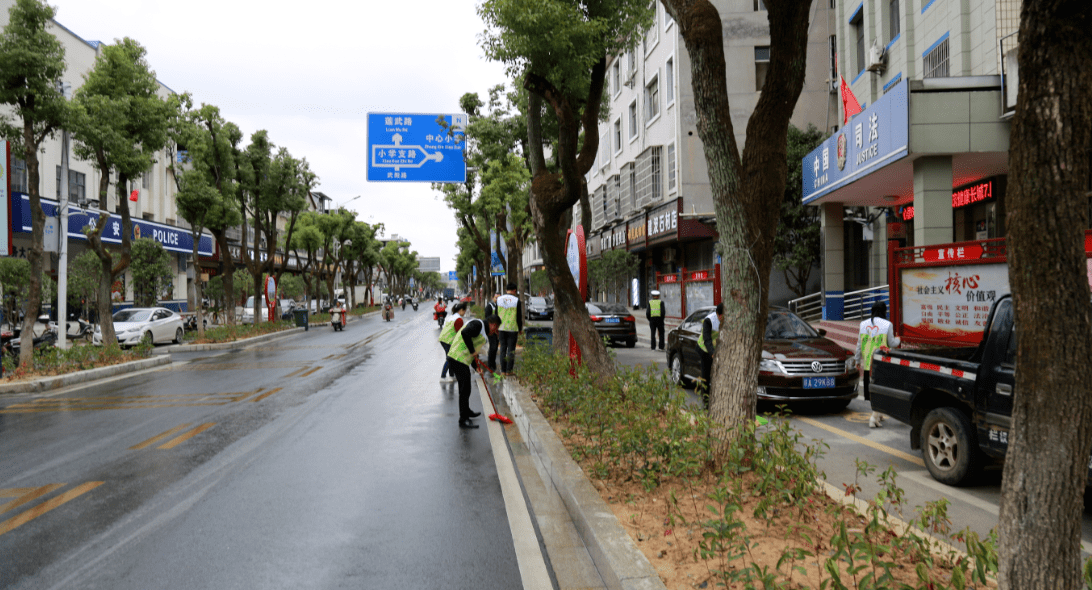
[(62, 256)]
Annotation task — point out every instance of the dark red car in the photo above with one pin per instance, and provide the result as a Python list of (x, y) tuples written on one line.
[(798, 363)]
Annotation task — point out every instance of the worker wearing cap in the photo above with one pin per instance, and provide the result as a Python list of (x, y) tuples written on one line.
[(655, 314)]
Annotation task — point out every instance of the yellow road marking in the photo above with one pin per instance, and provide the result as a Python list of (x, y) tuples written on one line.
[(174, 442), (294, 373), (24, 495), (266, 394), (123, 402), (29, 515), (311, 371), (157, 438), (864, 441)]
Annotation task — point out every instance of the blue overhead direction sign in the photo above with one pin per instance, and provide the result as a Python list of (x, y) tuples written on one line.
[(413, 147)]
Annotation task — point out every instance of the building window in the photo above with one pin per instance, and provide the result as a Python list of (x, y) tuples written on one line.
[(633, 119), (76, 185), (652, 100), (18, 175), (832, 49), (657, 175), (669, 87), (893, 14), (762, 65), (618, 195), (759, 5), (617, 75), (670, 166), (652, 36), (936, 60), (668, 19), (617, 135), (633, 185), (857, 22)]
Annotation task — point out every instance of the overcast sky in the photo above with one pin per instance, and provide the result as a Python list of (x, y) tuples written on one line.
[(309, 72)]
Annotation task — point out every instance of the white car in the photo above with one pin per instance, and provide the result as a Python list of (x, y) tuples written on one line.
[(132, 325)]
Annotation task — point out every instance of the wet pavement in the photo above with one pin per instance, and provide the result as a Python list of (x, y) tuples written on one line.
[(320, 460)]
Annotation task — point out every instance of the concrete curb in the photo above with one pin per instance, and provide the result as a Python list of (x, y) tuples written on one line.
[(620, 563), (48, 383), (233, 344)]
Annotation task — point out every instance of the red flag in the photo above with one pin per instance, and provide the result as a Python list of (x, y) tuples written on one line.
[(136, 193), (849, 102)]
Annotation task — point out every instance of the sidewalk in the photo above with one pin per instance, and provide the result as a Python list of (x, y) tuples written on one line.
[(644, 333)]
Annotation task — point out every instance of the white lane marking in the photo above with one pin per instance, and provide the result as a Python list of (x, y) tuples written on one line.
[(532, 566)]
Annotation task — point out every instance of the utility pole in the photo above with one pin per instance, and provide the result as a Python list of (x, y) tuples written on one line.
[(62, 211)]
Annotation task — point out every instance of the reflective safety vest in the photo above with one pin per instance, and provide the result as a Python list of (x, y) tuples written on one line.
[(459, 351), (508, 311), (715, 327), (872, 337), (656, 306), (447, 333)]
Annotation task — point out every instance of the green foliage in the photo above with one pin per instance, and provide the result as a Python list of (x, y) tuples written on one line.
[(53, 360), (291, 287), (796, 244), (151, 272), (14, 285), (84, 278), (31, 62), (611, 272), (540, 283)]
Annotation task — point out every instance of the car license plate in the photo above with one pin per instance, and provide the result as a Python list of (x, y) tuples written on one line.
[(818, 382), (613, 320)]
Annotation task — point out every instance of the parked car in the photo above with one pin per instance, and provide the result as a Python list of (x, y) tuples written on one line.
[(798, 363), (539, 308), (613, 321), (156, 324), (246, 314)]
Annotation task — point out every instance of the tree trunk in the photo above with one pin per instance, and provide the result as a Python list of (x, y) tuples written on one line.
[(35, 254), (747, 211), (227, 262), (1051, 434)]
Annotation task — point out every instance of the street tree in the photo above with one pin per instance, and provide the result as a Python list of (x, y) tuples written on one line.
[(270, 185), (747, 190), (151, 272), (336, 228), (118, 122), (84, 277), (796, 244), (565, 69), (308, 240), (359, 255), (31, 64), (1050, 439), (612, 271), (14, 287)]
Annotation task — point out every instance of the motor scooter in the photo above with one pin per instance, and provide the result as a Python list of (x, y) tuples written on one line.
[(440, 316), (43, 334), (337, 319), (76, 328), (388, 313)]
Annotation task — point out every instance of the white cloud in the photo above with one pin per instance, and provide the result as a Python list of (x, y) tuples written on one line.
[(309, 72)]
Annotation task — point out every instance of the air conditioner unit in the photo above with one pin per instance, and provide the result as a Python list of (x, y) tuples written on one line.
[(877, 58), (669, 255)]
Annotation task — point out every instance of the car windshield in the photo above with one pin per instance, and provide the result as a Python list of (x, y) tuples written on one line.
[(783, 325), (132, 315), (538, 301), (607, 308)]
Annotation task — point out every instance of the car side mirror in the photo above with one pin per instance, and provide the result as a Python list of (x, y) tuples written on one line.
[(822, 332)]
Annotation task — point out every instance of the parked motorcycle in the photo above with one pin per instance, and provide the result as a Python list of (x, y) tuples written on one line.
[(77, 328), (44, 334), (414, 304), (191, 323)]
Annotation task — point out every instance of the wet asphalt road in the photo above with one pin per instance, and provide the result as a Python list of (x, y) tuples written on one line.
[(321, 460)]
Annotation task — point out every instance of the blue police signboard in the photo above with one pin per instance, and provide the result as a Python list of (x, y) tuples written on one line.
[(871, 140), (408, 147)]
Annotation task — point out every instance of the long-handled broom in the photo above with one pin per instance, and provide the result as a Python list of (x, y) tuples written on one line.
[(494, 416)]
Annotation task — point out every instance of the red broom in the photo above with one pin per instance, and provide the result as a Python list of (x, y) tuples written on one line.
[(494, 416)]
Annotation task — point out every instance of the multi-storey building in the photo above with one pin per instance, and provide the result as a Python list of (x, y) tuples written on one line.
[(649, 189), (154, 212), (926, 162)]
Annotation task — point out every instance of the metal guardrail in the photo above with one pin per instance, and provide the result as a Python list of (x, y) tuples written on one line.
[(808, 307), (856, 304)]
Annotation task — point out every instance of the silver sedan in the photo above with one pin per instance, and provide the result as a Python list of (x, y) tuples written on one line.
[(156, 324)]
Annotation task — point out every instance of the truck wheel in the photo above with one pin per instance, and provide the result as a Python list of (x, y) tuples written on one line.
[(948, 446)]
